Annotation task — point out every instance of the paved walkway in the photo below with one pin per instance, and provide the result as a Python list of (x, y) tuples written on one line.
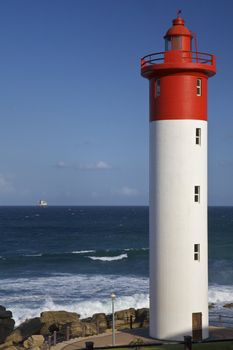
[(126, 336), (105, 339)]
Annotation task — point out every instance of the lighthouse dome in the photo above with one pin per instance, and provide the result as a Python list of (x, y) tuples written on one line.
[(178, 28)]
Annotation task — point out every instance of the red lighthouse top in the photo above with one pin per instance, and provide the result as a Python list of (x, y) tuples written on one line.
[(178, 37), (178, 28), (178, 55), (178, 76)]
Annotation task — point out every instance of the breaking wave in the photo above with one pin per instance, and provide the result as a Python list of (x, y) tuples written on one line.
[(109, 258), (84, 294), (83, 251), (220, 294)]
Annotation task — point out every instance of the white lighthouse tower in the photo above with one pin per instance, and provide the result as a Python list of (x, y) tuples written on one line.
[(178, 81)]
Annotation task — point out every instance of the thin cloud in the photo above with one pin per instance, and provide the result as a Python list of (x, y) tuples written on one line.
[(127, 192), (100, 165), (5, 184), (61, 164)]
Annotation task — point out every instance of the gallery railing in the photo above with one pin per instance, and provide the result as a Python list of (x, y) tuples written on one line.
[(185, 56)]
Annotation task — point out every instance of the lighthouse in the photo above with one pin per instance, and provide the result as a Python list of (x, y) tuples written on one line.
[(178, 80)]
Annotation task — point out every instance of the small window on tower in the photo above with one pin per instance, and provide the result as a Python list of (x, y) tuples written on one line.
[(197, 252), (167, 44), (157, 87), (199, 87), (197, 194), (198, 136)]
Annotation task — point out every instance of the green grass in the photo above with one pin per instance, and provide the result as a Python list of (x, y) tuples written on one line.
[(210, 346)]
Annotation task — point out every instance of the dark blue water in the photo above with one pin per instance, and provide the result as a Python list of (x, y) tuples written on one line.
[(40, 241), (73, 257)]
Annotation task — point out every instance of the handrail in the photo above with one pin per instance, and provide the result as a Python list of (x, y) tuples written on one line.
[(193, 56), (216, 318)]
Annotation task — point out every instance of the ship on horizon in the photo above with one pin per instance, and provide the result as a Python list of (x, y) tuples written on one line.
[(42, 203)]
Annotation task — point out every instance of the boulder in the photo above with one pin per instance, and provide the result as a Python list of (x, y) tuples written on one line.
[(76, 329), (123, 318), (88, 319), (5, 314), (100, 320), (89, 329), (54, 320), (119, 324), (25, 330), (80, 329), (6, 345), (35, 341), (6, 323), (229, 305), (125, 315)]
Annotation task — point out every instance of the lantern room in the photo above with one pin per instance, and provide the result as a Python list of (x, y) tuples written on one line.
[(178, 37)]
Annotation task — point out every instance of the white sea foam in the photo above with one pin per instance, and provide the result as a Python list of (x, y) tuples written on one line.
[(109, 258), (220, 294), (84, 308), (31, 255), (134, 249), (84, 294), (83, 251)]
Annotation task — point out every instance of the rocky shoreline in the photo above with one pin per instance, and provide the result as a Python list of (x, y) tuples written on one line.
[(34, 333)]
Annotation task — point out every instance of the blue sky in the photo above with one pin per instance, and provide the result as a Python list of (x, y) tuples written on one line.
[(74, 108)]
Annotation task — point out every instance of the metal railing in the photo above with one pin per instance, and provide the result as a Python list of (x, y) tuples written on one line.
[(57, 337), (221, 320), (188, 56)]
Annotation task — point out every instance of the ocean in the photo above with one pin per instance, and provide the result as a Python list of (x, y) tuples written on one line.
[(73, 258)]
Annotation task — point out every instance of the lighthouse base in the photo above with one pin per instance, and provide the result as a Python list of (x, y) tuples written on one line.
[(197, 334)]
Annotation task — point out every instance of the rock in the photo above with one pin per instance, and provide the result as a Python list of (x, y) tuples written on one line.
[(88, 319), (211, 306), (89, 329), (76, 329), (34, 341), (5, 314), (229, 306), (100, 320), (80, 329), (54, 320), (25, 330), (119, 324), (6, 323), (6, 345), (125, 315)]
